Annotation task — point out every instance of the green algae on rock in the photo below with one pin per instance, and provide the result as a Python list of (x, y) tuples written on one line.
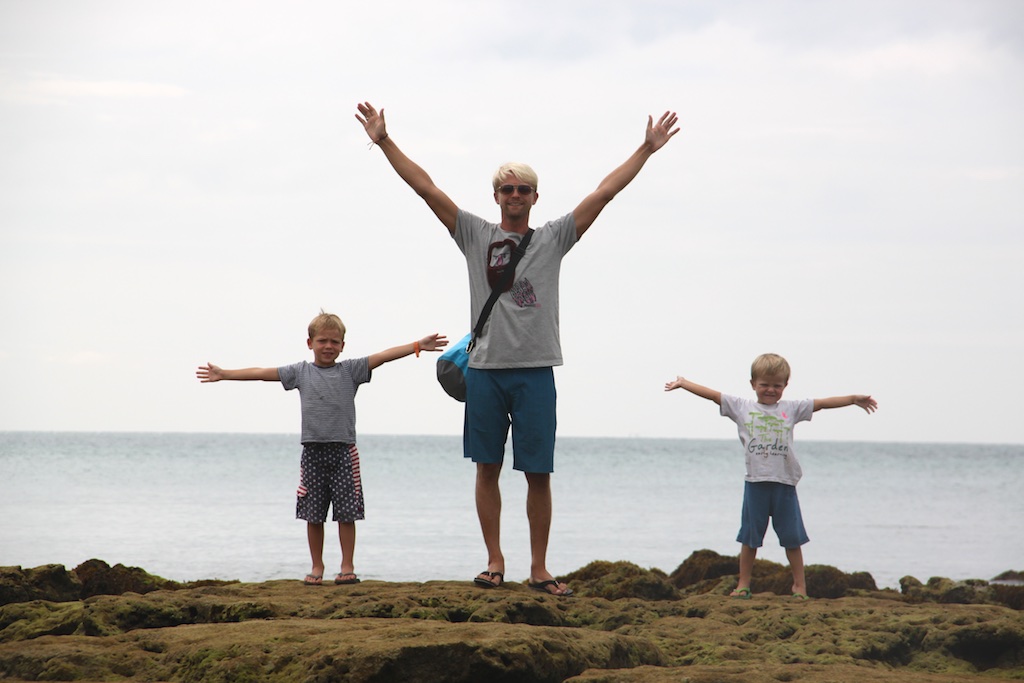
[(625, 624)]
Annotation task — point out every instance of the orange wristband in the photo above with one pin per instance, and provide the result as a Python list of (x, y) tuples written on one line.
[(416, 348)]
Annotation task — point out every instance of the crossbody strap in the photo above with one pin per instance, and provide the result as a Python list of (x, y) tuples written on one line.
[(499, 287)]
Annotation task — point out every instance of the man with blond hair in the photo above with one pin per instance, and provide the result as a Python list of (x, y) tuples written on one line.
[(510, 380)]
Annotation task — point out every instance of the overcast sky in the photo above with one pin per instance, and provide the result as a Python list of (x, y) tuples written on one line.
[(186, 182)]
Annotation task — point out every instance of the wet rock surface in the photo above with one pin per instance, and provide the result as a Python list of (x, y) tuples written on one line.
[(625, 624)]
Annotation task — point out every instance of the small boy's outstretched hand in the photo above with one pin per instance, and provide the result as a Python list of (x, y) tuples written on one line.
[(869, 404), (433, 342), (695, 389), (676, 384), (209, 373)]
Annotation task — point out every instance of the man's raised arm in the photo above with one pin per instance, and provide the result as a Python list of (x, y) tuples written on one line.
[(594, 203), (442, 206)]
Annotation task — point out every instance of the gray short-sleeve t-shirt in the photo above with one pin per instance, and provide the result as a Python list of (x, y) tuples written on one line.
[(328, 397), (522, 330)]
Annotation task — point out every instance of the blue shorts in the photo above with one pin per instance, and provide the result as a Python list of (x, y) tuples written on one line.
[(523, 398), (764, 499), (329, 477)]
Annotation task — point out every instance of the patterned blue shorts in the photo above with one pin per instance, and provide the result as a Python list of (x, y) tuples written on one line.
[(329, 476)]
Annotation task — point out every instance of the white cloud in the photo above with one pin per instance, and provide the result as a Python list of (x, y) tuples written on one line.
[(947, 55), (63, 91), (80, 358), (203, 183)]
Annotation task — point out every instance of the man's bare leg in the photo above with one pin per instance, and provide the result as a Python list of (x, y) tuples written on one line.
[(538, 512), (488, 510)]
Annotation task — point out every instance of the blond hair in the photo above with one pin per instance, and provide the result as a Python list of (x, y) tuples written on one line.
[(521, 171), (769, 365), (326, 321)]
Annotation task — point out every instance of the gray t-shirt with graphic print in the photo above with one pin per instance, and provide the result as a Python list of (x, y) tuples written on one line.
[(328, 397), (522, 330)]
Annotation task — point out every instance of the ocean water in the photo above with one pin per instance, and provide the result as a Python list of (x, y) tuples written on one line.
[(200, 506)]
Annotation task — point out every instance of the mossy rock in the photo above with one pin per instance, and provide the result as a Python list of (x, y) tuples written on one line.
[(617, 580), (49, 582)]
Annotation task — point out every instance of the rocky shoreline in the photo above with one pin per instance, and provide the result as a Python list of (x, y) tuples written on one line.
[(625, 624)]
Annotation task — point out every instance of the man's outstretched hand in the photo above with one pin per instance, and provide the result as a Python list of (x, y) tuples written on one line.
[(660, 133), (373, 122)]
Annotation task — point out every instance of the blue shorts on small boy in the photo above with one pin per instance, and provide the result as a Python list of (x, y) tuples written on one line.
[(764, 499), (521, 397)]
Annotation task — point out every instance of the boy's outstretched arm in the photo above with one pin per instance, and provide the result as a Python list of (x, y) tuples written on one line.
[(869, 404), (212, 373), (656, 137), (414, 176), (694, 388), (432, 342)]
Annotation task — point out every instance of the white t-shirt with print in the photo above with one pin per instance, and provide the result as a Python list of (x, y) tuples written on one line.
[(766, 433)]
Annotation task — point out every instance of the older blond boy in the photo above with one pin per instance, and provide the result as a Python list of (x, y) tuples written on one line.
[(329, 473)]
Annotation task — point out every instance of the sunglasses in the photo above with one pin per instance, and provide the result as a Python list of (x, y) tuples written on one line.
[(523, 189)]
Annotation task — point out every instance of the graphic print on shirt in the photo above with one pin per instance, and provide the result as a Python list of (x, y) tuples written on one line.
[(499, 254), (769, 435), (523, 294)]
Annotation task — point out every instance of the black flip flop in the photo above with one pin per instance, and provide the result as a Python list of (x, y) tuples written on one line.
[(542, 586), (484, 583)]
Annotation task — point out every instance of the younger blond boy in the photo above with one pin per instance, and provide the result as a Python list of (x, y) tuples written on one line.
[(766, 431)]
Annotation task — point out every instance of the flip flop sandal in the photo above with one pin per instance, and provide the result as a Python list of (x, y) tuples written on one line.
[(487, 583), (543, 586), (339, 580)]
